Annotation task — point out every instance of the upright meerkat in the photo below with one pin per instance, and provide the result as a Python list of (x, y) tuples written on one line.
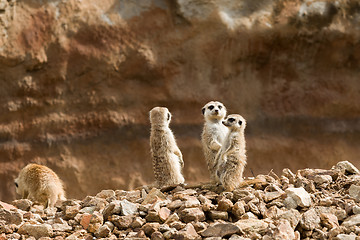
[(231, 159), (166, 155), (40, 184), (214, 133)]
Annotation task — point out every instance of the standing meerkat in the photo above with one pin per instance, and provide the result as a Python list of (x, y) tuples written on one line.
[(231, 159), (40, 184), (214, 133), (166, 155)]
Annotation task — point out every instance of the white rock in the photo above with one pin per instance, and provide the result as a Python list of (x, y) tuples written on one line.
[(310, 220), (354, 192), (128, 208), (322, 179), (347, 166), (251, 225), (345, 237), (351, 221), (300, 196)]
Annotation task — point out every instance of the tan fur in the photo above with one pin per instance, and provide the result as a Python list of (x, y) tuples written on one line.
[(40, 184), (166, 155), (231, 159), (213, 135)]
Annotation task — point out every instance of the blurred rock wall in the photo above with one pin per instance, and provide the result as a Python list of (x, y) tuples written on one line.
[(77, 79)]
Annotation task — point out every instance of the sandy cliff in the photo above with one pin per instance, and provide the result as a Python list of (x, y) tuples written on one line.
[(77, 79)]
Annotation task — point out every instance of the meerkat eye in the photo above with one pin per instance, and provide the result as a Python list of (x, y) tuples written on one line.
[(240, 122), (16, 184), (168, 116), (211, 107), (220, 107), (231, 120)]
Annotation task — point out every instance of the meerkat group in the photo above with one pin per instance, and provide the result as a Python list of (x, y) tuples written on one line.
[(223, 143)]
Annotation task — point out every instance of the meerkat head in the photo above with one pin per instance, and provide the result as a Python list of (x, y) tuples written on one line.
[(214, 111), (160, 116), (235, 122)]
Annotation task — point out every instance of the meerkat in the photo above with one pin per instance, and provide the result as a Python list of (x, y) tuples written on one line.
[(166, 155), (213, 135), (39, 184), (231, 159)]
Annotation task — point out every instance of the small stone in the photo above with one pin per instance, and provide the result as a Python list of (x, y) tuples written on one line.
[(322, 179), (199, 226), (237, 237), (103, 232), (96, 222), (12, 216), (272, 212), (240, 194), (252, 225), (225, 205), (23, 204), (164, 214), (172, 218), (292, 215), (153, 196), (128, 208), (329, 220), (138, 222), (345, 237), (61, 227), (221, 230), (192, 214), (249, 215), (121, 222), (106, 194), (36, 230), (215, 215), (89, 210), (300, 196), (177, 225), (347, 167), (351, 221), (157, 236), (238, 209), (188, 232), (310, 220), (356, 209), (354, 192), (269, 196), (284, 230), (175, 204), (149, 228), (192, 202), (90, 201)]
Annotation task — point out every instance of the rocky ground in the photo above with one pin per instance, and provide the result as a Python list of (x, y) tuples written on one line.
[(308, 204)]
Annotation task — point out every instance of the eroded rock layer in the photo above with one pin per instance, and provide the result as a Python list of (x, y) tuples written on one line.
[(79, 77)]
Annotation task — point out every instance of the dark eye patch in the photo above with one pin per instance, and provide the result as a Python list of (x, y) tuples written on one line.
[(220, 107), (211, 107), (168, 116), (16, 184), (231, 120), (240, 122)]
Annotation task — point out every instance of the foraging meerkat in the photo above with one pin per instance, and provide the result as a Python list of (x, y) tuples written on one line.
[(166, 155), (231, 159), (40, 184), (214, 133)]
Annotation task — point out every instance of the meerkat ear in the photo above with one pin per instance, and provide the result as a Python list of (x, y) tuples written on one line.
[(16, 184), (203, 111)]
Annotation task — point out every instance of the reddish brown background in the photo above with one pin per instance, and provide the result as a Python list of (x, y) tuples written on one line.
[(77, 80)]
